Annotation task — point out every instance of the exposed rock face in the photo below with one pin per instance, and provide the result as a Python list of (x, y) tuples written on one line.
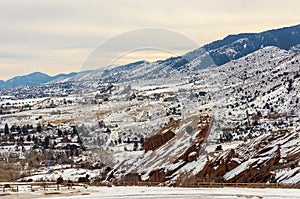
[(167, 152), (254, 162), (132, 177), (214, 170), (157, 176), (156, 141), (273, 157), (161, 136)]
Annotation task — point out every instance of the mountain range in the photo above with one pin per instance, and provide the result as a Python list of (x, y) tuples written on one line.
[(235, 46), (216, 53), (33, 79)]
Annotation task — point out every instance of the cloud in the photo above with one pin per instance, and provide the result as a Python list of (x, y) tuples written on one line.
[(141, 40), (38, 35)]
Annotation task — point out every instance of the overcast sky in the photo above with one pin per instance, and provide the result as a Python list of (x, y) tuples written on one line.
[(56, 36)]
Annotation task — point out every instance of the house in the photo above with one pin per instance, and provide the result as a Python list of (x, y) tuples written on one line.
[(49, 163)]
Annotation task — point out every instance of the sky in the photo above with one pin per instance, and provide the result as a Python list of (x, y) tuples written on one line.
[(59, 36)]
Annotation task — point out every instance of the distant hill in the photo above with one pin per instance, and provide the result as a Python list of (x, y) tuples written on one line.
[(216, 53), (32, 79)]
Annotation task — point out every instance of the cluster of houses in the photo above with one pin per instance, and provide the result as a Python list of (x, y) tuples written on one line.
[(15, 141), (40, 91)]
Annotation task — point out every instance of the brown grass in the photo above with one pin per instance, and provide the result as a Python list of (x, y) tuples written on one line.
[(10, 171)]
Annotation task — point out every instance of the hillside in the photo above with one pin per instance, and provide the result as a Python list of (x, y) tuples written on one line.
[(213, 54), (235, 46), (171, 121), (253, 127)]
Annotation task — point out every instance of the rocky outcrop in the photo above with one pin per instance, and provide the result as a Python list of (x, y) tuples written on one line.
[(132, 178), (272, 157), (157, 176), (214, 170), (169, 149), (255, 162), (161, 136)]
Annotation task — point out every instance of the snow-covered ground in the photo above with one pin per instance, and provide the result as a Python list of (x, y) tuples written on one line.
[(187, 193)]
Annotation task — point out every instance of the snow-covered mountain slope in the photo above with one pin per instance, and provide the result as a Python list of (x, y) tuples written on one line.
[(137, 71), (214, 54), (253, 106), (235, 46), (262, 83), (211, 55)]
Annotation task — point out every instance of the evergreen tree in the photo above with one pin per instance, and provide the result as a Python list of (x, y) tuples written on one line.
[(24, 129), (59, 133), (19, 130), (135, 146), (47, 142), (39, 128), (28, 138), (12, 128), (75, 132), (108, 131), (142, 141), (6, 129), (101, 124), (219, 148)]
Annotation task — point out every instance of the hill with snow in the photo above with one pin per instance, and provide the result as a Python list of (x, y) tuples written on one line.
[(216, 53), (248, 131), (227, 112)]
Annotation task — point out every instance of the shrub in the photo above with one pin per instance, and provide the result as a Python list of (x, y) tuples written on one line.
[(219, 148), (59, 180)]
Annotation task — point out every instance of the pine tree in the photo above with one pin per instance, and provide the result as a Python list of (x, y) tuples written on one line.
[(39, 128), (75, 132), (19, 130), (24, 129), (47, 142), (59, 133), (12, 128), (6, 129), (28, 138)]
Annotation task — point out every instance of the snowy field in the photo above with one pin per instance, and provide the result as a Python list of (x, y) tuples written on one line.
[(186, 193)]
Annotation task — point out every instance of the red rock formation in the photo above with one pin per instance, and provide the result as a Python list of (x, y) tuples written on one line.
[(214, 170), (132, 177), (252, 162), (160, 137), (157, 176)]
